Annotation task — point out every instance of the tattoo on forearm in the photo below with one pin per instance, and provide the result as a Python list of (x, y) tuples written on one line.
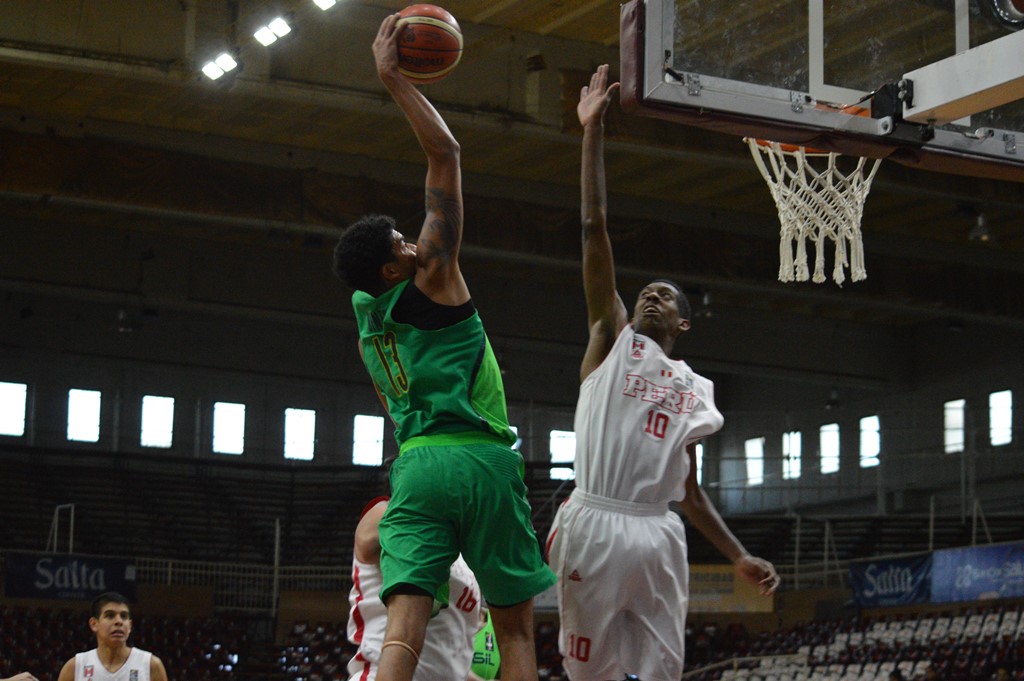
[(445, 229)]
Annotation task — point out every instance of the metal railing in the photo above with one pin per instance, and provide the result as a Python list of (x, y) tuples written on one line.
[(249, 588), (255, 588)]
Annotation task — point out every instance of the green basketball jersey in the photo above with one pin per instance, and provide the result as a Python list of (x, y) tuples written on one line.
[(486, 657), (434, 382)]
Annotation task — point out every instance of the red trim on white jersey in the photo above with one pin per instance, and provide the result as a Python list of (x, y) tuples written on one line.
[(357, 616), (366, 667)]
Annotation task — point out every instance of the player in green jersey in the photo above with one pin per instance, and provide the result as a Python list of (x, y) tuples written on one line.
[(457, 484), (486, 655)]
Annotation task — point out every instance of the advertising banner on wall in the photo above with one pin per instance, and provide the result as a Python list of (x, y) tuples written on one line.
[(977, 573), (891, 581), (67, 576), (716, 588)]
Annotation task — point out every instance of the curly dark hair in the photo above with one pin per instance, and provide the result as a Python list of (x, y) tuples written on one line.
[(681, 301), (361, 251)]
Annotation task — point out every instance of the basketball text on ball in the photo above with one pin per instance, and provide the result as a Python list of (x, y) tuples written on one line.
[(429, 43)]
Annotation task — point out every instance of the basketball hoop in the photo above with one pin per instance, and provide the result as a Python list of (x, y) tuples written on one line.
[(817, 205)]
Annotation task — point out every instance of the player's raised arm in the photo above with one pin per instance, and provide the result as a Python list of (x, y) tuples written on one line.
[(437, 249), (606, 313)]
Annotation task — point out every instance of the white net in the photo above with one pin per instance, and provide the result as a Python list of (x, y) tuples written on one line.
[(815, 205)]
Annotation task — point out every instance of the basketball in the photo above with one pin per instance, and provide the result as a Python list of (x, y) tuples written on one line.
[(429, 43)]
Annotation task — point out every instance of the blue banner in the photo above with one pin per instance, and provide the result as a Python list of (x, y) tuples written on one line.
[(978, 573), (891, 581), (68, 576)]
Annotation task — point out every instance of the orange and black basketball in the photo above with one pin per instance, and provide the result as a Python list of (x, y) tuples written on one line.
[(429, 43)]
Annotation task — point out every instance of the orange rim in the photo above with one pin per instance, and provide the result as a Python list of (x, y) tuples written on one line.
[(789, 148), (850, 109)]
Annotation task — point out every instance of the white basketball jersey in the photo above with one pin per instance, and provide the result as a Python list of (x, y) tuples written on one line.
[(89, 668), (448, 649), (636, 414)]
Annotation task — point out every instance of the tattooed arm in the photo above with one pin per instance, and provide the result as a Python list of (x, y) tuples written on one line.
[(437, 250)]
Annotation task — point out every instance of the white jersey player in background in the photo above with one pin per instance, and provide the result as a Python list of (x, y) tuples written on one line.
[(619, 552), (112, 659), (448, 648)]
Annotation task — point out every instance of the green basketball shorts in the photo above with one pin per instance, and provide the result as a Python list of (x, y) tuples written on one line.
[(466, 498)]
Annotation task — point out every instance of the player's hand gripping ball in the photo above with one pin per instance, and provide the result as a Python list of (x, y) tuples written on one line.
[(429, 43)]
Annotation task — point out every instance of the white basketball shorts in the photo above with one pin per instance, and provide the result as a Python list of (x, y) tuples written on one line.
[(622, 588)]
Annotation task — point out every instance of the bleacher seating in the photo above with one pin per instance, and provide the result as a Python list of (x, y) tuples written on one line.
[(317, 652), (321, 652), (959, 646), (227, 510), (40, 640)]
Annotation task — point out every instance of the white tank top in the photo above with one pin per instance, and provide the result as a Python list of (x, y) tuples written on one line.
[(635, 416), (136, 668), (448, 649)]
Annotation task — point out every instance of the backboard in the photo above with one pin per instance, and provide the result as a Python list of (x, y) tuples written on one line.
[(943, 79)]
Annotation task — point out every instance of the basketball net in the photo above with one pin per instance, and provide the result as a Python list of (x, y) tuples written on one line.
[(815, 205)]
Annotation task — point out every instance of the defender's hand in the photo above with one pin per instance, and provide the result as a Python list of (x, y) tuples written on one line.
[(595, 98)]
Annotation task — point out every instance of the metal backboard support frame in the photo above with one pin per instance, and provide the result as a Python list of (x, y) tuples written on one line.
[(800, 114)]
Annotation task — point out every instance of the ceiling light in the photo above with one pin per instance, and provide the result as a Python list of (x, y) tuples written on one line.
[(212, 71), (325, 4), (267, 35), (280, 27), (219, 66), (226, 62)]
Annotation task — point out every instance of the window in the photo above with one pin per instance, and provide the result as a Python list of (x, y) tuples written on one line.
[(1000, 418), (157, 421), (299, 433), (870, 441), (13, 398), (755, 461), (228, 428), (791, 451), (368, 440), (84, 415), (829, 439), (953, 425), (700, 462), (562, 445)]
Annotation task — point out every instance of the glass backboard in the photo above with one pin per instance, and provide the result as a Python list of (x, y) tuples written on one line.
[(794, 71)]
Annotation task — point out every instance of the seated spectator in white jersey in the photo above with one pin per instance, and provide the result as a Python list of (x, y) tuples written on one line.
[(112, 659)]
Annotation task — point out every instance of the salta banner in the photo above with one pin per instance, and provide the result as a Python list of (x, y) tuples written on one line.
[(891, 581), (67, 576)]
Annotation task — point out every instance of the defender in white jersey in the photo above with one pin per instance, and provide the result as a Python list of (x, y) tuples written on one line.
[(112, 659), (448, 648), (619, 552), (89, 667)]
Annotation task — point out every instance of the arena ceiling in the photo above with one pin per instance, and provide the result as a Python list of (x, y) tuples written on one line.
[(107, 121)]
